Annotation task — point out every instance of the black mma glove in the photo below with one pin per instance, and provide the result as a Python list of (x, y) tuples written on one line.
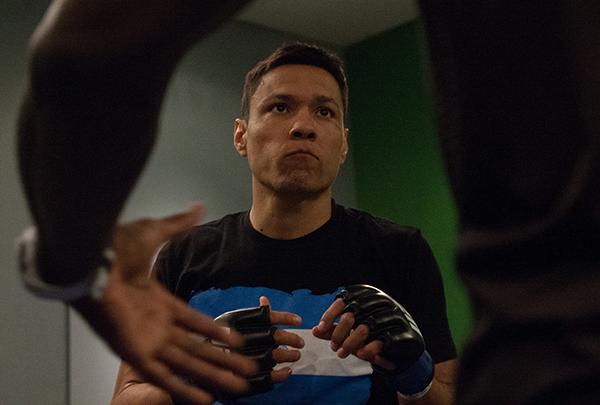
[(254, 324), (403, 343)]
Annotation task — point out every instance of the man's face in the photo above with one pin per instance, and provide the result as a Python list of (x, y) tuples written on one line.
[(294, 138)]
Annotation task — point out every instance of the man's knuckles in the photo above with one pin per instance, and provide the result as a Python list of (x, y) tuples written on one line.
[(347, 319)]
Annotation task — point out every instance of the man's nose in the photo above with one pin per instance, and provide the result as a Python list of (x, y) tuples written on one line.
[(303, 126)]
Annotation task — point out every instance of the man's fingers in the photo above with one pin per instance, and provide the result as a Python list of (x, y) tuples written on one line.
[(355, 340), (329, 316), (285, 356), (174, 224), (370, 351), (285, 318), (342, 330), (194, 321), (323, 335), (136, 242), (201, 372), (198, 347), (262, 300), (285, 338), (279, 317), (278, 376)]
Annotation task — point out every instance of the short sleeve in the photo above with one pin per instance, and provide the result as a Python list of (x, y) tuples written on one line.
[(425, 299)]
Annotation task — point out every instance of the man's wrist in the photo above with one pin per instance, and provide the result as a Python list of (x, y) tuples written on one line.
[(416, 381), (92, 285)]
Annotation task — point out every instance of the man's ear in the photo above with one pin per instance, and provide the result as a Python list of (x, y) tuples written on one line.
[(240, 127), (344, 146)]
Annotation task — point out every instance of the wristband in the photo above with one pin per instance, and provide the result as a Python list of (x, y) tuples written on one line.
[(91, 286), (415, 382)]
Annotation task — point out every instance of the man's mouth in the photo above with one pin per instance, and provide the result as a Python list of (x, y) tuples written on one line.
[(302, 153)]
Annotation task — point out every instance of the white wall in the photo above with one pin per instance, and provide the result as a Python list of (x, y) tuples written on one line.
[(32, 332), (194, 159)]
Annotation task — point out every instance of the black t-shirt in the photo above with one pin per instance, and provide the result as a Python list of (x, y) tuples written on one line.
[(226, 264)]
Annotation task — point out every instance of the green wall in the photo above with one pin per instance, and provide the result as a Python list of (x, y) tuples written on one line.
[(398, 171)]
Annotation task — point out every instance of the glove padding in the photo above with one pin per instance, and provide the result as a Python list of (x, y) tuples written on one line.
[(388, 321), (254, 324)]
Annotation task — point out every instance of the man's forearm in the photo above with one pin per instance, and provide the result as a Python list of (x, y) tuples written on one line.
[(141, 394), (98, 73)]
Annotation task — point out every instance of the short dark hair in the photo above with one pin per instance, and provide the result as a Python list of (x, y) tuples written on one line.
[(298, 53)]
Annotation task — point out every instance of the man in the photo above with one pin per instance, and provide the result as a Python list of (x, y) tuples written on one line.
[(296, 247), (519, 94), (87, 125)]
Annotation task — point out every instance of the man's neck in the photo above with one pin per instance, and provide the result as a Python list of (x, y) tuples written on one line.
[(289, 217)]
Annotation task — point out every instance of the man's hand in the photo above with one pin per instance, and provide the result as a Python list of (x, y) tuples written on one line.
[(376, 328), (285, 339), (155, 332), (264, 340), (346, 340)]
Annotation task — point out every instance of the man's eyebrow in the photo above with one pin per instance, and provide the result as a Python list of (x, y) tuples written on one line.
[(325, 99), (281, 97), (321, 99)]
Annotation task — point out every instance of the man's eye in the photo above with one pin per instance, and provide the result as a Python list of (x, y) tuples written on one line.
[(279, 107), (325, 112)]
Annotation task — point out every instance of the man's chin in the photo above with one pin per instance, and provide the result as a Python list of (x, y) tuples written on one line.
[(300, 188)]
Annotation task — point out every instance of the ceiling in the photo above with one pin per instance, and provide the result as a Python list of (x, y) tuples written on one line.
[(337, 22)]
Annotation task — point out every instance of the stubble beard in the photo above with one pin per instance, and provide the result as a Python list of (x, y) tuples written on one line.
[(299, 183)]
